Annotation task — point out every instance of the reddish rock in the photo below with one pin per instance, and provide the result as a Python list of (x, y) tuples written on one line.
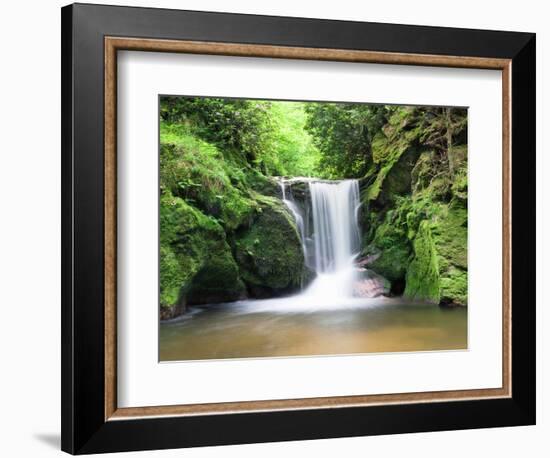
[(370, 284)]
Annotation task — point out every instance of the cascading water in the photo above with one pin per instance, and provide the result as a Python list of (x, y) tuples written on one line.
[(336, 230), (326, 317), (297, 216), (335, 238)]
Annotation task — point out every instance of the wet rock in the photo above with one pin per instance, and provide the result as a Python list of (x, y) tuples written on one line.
[(369, 284), (367, 260), (167, 313), (269, 253)]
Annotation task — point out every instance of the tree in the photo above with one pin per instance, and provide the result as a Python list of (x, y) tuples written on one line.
[(441, 127), (343, 132)]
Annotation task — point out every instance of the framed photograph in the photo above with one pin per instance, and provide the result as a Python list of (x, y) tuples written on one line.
[(281, 229)]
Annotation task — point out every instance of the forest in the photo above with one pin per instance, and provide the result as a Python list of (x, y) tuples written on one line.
[(226, 234)]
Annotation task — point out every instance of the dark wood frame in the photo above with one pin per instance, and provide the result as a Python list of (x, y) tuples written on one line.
[(112, 46), (91, 36)]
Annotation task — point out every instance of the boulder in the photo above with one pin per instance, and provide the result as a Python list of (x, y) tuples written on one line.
[(422, 282), (451, 242), (269, 253), (370, 284), (196, 263)]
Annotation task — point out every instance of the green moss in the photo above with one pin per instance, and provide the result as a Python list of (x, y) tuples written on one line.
[(421, 238), (392, 247), (394, 149), (222, 225), (436, 180), (171, 277), (422, 281), (199, 173), (458, 156), (269, 253), (393, 262), (398, 180), (394, 235), (422, 172), (373, 191), (401, 117), (450, 236), (193, 251), (380, 148), (454, 287), (459, 186), (217, 280)]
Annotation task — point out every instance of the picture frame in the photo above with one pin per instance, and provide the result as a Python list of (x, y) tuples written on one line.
[(92, 35)]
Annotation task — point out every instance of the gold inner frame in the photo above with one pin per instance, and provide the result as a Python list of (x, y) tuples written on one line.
[(114, 44)]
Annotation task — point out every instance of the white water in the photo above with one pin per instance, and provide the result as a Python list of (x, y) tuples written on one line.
[(335, 227), (297, 216), (335, 240), (329, 231)]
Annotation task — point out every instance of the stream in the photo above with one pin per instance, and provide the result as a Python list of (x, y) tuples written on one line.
[(266, 328), (328, 316)]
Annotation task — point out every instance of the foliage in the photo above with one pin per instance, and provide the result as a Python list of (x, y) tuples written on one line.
[(195, 170), (343, 132), (235, 125), (267, 136), (225, 232), (414, 184), (291, 149)]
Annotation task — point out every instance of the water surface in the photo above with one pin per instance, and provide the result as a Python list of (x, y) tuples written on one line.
[(283, 327)]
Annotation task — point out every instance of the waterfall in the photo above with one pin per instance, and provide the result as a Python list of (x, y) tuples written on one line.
[(335, 227), (334, 240), (298, 218)]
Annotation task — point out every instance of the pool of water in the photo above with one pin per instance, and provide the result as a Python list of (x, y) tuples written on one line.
[(280, 327)]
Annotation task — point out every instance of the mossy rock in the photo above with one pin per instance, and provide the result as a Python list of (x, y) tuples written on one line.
[(269, 253), (422, 281), (172, 277), (196, 264), (393, 250), (459, 186), (390, 243), (454, 287), (268, 186), (458, 157), (450, 237), (398, 180), (373, 191), (395, 151), (422, 172), (392, 262), (217, 281), (198, 173), (440, 184), (299, 190)]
